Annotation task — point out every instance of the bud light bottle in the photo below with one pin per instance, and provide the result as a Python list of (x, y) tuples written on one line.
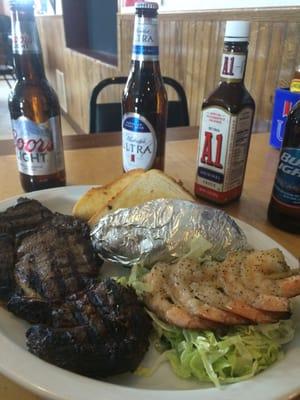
[(284, 207), (226, 123), (144, 101)]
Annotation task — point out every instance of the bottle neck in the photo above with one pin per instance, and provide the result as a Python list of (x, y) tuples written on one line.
[(145, 38), (295, 82), (233, 65), (27, 51), (146, 67)]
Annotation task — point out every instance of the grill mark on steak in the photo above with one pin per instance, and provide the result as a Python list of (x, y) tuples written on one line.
[(54, 254), (7, 261), (25, 215), (96, 329), (31, 309), (101, 331), (75, 271), (52, 262)]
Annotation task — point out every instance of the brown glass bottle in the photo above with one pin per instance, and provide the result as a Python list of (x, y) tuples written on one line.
[(226, 123), (284, 207), (144, 101), (34, 107)]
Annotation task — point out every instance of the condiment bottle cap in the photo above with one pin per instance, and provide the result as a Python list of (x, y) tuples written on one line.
[(146, 4), (237, 31), (28, 3)]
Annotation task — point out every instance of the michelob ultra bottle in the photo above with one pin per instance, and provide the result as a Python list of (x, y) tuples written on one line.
[(284, 207), (34, 107), (144, 101), (226, 123)]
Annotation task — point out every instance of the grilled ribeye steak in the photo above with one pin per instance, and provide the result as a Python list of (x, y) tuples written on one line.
[(52, 262), (102, 331), (26, 214), (7, 262)]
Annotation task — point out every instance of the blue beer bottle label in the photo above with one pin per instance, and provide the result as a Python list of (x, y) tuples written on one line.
[(287, 182)]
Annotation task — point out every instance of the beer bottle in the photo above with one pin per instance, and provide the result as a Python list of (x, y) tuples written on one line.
[(34, 107), (144, 100), (284, 207), (226, 123), (295, 82)]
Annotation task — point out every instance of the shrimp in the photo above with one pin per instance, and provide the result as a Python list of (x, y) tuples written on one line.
[(158, 300), (266, 271), (197, 288), (229, 278), (216, 297), (180, 280), (247, 287)]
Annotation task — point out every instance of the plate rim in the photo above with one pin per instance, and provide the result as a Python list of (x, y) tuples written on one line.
[(41, 386)]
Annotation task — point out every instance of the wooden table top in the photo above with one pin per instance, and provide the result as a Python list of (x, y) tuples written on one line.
[(96, 159)]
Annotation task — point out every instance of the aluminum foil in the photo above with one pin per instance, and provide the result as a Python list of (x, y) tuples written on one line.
[(162, 230)]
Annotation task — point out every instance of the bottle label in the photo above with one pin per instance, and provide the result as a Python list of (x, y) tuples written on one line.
[(233, 66), (287, 182), (145, 39), (138, 141), (223, 148), (295, 85), (39, 147), (25, 39)]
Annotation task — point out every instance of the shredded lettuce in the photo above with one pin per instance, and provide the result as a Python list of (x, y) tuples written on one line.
[(135, 279), (222, 357), (198, 248)]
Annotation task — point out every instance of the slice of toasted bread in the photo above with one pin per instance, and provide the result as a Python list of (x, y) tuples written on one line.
[(97, 197), (151, 185)]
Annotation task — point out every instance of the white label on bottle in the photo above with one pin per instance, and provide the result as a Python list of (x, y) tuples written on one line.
[(145, 39), (223, 148), (25, 38), (233, 66), (138, 141), (39, 147)]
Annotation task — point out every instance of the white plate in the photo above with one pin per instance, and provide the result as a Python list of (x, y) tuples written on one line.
[(51, 382)]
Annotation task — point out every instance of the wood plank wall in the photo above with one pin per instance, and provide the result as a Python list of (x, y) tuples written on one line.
[(190, 51)]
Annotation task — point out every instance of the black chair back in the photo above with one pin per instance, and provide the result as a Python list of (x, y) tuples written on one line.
[(6, 56), (107, 117), (5, 41)]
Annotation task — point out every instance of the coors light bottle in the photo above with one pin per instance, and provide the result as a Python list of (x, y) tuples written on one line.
[(34, 107)]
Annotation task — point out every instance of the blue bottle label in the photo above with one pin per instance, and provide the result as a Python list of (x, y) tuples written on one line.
[(287, 183), (145, 40), (138, 141)]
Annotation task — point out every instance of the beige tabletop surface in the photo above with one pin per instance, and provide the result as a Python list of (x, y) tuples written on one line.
[(96, 159)]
